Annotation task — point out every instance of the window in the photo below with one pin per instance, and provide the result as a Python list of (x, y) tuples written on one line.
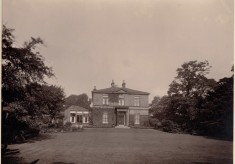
[(85, 119), (105, 118), (105, 100), (72, 117), (121, 100), (137, 101), (137, 119), (79, 118)]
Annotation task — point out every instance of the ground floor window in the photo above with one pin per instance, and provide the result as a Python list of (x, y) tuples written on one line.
[(79, 118), (72, 117), (137, 119), (85, 119), (105, 118)]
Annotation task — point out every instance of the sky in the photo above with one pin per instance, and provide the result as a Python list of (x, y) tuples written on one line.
[(92, 42)]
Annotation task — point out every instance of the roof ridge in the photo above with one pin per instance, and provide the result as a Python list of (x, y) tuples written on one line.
[(116, 89)]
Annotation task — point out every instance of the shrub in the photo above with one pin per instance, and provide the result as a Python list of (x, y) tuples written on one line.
[(170, 126), (67, 126), (154, 123), (146, 123)]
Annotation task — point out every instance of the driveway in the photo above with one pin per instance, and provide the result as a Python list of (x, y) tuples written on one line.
[(109, 145)]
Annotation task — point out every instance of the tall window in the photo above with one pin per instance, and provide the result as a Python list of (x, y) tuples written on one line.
[(79, 118), (105, 100), (137, 118), (121, 100), (137, 101), (72, 117), (85, 118), (105, 118)]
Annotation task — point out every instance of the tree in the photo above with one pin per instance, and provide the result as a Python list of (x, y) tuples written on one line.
[(44, 99), (187, 92), (217, 110), (25, 93), (153, 105), (20, 66), (79, 100), (191, 80)]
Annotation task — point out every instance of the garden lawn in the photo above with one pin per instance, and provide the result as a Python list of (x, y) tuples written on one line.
[(110, 145)]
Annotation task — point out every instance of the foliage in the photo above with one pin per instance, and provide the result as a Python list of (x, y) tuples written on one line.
[(67, 126), (113, 97), (170, 126), (217, 113), (20, 66), (187, 93), (191, 81), (44, 100), (154, 103), (195, 104), (24, 90), (81, 100)]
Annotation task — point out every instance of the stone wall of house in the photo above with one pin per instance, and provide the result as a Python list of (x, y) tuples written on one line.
[(129, 100), (131, 120), (144, 121), (97, 117)]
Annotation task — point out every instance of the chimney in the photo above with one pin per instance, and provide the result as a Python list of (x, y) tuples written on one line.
[(94, 88), (112, 84), (123, 84)]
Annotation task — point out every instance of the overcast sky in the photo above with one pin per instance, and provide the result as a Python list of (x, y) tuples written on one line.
[(90, 43)]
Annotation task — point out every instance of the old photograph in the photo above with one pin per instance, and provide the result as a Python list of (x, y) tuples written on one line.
[(117, 81)]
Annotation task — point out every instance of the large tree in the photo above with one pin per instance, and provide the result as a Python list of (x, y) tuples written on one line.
[(25, 94), (191, 80), (217, 110), (20, 66), (80, 100), (186, 94)]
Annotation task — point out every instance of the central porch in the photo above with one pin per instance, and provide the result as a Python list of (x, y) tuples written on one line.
[(122, 117)]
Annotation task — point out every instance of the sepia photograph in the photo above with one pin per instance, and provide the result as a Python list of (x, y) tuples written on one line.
[(117, 81)]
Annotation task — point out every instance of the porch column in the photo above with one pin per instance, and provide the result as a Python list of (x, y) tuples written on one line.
[(127, 113)]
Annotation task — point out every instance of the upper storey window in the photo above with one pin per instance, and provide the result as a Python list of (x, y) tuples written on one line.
[(105, 100), (137, 101), (121, 100)]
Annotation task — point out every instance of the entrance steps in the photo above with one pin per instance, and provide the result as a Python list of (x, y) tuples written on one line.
[(122, 126)]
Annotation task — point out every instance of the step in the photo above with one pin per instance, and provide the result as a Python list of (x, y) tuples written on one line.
[(122, 126)]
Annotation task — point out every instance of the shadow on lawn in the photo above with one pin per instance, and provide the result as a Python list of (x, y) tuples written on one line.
[(12, 156), (223, 138), (40, 137)]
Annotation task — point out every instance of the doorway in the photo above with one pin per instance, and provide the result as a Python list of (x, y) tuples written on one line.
[(121, 118)]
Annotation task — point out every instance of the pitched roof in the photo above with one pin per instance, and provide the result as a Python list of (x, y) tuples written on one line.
[(120, 90), (77, 108)]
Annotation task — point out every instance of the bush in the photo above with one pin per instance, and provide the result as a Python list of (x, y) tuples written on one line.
[(147, 123), (76, 127), (154, 122), (67, 126), (170, 126)]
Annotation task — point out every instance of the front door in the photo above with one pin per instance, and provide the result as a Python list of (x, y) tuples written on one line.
[(121, 118)]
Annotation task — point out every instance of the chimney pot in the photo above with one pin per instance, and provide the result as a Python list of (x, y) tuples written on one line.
[(112, 84), (123, 84)]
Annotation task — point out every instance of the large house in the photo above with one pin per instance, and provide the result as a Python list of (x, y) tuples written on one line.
[(119, 106)]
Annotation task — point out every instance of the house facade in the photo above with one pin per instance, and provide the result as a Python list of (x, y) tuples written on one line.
[(119, 106), (77, 115)]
